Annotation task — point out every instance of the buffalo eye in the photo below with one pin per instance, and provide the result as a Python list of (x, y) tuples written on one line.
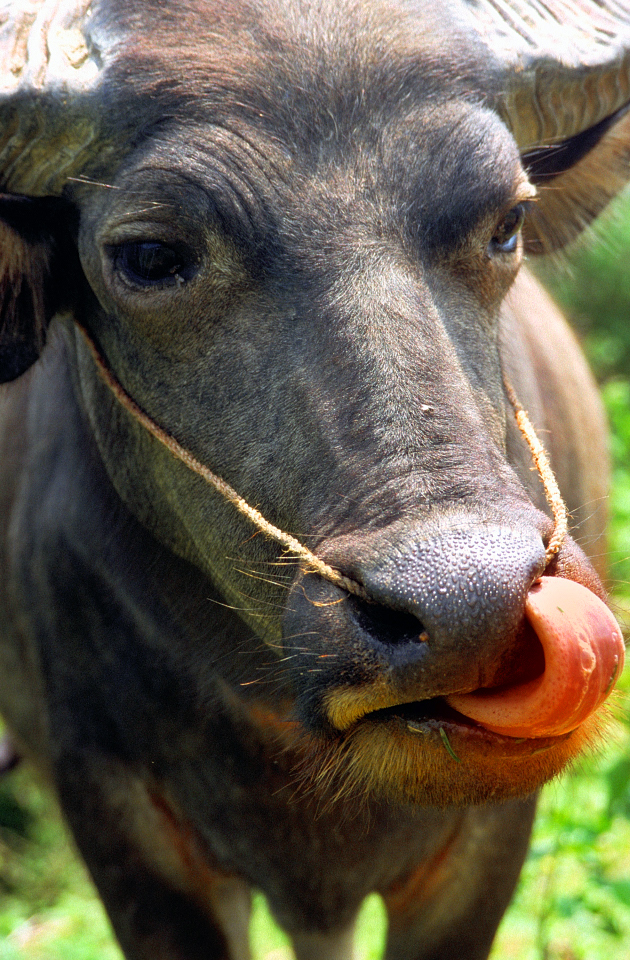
[(505, 237), (150, 264)]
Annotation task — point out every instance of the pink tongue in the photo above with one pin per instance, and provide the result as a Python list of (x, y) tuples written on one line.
[(584, 655)]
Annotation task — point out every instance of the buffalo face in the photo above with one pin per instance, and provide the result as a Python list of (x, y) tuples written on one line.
[(304, 282), (348, 380)]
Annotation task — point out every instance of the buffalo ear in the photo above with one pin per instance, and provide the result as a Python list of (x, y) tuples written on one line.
[(35, 258), (576, 178)]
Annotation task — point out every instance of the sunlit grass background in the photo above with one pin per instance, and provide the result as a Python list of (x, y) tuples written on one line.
[(573, 901)]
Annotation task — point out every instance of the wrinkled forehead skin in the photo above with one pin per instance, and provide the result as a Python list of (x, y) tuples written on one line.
[(304, 73), (308, 69), (284, 114)]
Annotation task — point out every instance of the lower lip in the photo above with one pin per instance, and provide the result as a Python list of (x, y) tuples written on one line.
[(459, 733)]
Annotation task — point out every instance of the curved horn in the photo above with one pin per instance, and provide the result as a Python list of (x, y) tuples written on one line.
[(563, 89), (49, 62), (566, 65)]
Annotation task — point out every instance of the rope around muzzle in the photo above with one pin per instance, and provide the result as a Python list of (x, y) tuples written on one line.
[(547, 476), (289, 543)]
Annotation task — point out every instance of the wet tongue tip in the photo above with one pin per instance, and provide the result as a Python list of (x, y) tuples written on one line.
[(584, 656)]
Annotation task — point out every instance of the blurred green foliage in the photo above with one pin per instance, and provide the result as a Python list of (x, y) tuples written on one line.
[(48, 909), (617, 399), (591, 282), (573, 902)]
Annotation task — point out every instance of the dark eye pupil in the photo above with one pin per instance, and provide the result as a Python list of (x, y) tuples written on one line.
[(505, 238), (148, 263)]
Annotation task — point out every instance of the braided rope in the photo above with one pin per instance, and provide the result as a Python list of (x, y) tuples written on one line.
[(290, 543), (549, 482)]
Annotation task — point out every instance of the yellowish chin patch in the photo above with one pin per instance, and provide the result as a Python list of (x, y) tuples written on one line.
[(439, 764)]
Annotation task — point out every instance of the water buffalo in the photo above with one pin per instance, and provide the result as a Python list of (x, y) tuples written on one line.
[(279, 240)]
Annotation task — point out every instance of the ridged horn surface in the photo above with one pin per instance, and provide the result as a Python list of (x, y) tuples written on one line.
[(48, 63), (564, 65)]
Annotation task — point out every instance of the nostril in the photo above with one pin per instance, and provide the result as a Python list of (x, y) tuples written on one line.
[(389, 626)]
